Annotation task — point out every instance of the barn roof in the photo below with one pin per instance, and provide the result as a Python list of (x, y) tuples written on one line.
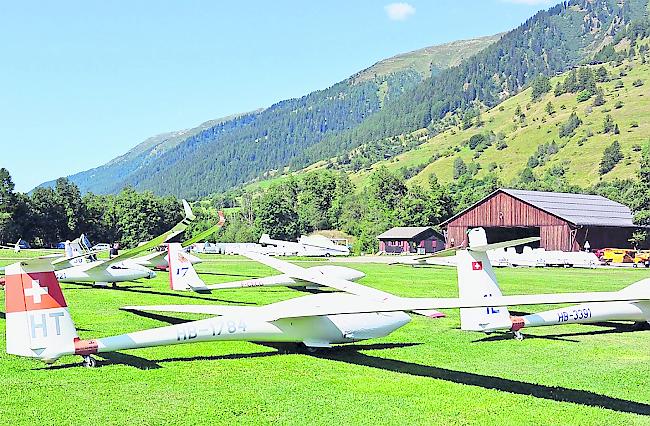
[(404, 232), (578, 209)]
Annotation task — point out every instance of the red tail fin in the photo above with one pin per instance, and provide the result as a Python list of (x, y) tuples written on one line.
[(38, 323)]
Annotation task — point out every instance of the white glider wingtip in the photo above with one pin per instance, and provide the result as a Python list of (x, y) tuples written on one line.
[(188, 210)]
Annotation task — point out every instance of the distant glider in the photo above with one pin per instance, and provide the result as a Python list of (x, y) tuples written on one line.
[(120, 268)]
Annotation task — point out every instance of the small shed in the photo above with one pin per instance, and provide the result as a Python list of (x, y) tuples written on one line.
[(411, 239), (563, 221)]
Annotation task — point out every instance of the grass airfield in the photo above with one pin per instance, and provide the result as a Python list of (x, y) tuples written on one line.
[(424, 373)]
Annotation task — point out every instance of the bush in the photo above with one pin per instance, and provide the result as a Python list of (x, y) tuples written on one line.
[(549, 108), (599, 99), (637, 83), (611, 156), (618, 84), (608, 124), (583, 96), (541, 85), (618, 105), (460, 168), (476, 140), (557, 170), (569, 127)]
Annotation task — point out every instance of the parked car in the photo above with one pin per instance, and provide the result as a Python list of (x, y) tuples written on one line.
[(614, 255), (101, 247)]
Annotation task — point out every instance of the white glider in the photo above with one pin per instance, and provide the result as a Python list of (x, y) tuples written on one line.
[(159, 259), (183, 276), (498, 317), (39, 325), (121, 268)]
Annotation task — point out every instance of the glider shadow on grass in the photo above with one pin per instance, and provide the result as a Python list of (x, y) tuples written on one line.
[(232, 275), (351, 354), (147, 290), (553, 393)]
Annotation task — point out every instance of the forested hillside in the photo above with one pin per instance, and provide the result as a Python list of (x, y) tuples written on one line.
[(550, 42), (223, 153), (109, 178), (552, 135), (586, 130)]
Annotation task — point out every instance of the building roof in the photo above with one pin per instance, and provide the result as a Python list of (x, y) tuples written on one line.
[(578, 209), (404, 232)]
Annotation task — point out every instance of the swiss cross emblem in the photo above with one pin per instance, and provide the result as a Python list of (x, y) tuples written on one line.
[(36, 291), (477, 266)]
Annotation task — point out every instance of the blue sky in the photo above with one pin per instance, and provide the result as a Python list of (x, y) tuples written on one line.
[(83, 81)]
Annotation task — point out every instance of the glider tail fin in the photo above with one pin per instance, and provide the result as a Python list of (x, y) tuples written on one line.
[(476, 278), (38, 324), (182, 275)]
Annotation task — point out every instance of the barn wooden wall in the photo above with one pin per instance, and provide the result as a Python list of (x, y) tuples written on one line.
[(507, 211)]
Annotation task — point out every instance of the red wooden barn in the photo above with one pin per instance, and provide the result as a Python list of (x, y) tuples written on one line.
[(562, 221), (411, 239)]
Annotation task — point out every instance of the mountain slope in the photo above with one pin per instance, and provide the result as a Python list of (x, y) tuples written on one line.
[(428, 60), (223, 153), (576, 157), (108, 178), (550, 42)]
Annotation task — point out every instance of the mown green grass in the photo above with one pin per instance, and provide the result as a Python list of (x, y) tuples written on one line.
[(427, 372), (6, 254)]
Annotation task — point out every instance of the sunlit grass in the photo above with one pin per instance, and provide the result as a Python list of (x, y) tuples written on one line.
[(427, 372)]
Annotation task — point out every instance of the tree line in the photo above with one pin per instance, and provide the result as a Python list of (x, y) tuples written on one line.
[(48, 216), (319, 200)]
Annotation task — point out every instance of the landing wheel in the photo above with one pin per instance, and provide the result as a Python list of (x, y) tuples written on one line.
[(517, 334), (306, 349), (89, 362), (114, 285)]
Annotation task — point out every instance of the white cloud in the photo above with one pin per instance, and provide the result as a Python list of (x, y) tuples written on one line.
[(399, 11)]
